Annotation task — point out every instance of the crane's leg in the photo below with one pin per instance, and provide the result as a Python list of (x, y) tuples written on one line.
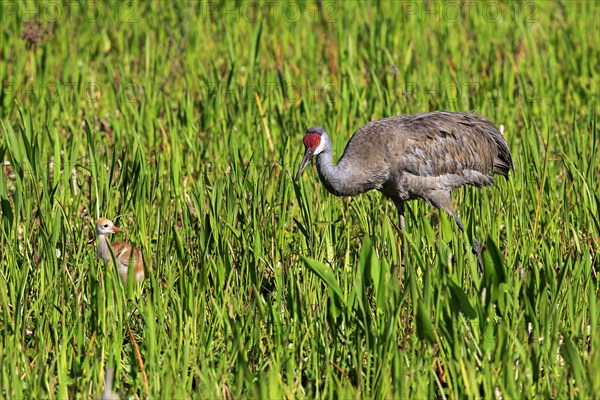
[(458, 221), (476, 249), (443, 200), (400, 207)]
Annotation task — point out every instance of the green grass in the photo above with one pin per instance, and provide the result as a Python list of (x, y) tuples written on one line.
[(187, 121)]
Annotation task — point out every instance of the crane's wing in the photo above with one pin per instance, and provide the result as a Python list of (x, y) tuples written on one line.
[(123, 255), (441, 143), (122, 252)]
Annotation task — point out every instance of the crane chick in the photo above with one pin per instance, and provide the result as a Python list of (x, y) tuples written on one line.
[(414, 156), (122, 252)]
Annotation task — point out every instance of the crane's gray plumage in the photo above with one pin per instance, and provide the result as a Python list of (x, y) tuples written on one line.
[(413, 156)]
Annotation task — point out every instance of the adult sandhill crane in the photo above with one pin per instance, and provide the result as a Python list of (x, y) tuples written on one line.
[(412, 156), (121, 251)]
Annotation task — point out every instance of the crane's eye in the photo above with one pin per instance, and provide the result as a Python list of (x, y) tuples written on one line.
[(106, 225)]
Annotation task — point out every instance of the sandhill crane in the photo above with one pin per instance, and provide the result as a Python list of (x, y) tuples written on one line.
[(121, 251), (413, 156)]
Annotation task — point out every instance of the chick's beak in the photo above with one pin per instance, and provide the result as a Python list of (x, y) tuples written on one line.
[(305, 160), (116, 229)]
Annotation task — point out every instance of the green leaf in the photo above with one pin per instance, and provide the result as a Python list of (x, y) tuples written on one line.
[(573, 360), (424, 325), (493, 268), (461, 298), (381, 287), (364, 259), (488, 341), (429, 232), (326, 275), (498, 263), (445, 227), (375, 271)]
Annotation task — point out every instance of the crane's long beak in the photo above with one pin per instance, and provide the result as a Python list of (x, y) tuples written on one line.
[(116, 229), (307, 156)]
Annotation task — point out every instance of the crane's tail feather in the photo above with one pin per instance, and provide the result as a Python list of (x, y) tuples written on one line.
[(503, 162)]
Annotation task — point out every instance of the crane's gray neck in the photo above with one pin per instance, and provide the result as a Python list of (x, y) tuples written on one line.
[(332, 176)]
